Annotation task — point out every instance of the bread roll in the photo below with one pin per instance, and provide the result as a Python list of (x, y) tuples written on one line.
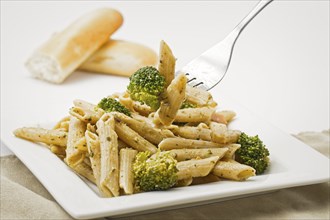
[(57, 58), (120, 58)]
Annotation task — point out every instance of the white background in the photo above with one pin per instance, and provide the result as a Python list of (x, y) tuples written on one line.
[(279, 69)]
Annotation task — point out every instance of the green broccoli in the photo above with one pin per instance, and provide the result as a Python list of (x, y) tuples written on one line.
[(252, 153), (154, 173), (187, 104), (146, 86), (112, 105)]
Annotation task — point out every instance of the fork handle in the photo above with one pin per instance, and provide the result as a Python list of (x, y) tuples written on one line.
[(238, 29)]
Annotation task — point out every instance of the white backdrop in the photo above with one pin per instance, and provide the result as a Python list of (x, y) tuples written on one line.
[(279, 69)]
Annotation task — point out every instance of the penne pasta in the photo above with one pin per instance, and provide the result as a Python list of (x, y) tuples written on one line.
[(122, 145), (180, 143), (58, 150), (199, 97), (133, 139), (144, 129), (233, 170), (86, 112), (220, 133), (88, 161), (84, 170), (124, 99), (133, 106), (166, 64), (142, 109), (77, 129), (55, 137), (126, 180), (184, 182), (200, 132), (195, 115), (187, 154), (81, 144), (175, 95), (210, 178), (109, 178), (232, 148), (196, 168), (63, 124), (223, 117), (93, 146)]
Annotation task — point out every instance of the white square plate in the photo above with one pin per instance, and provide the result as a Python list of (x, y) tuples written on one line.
[(292, 164)]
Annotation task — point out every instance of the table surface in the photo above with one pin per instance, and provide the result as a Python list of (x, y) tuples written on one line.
[(279, 69)]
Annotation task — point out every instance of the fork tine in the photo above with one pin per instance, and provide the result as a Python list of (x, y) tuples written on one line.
[(208, 69), (198, 84), (190, 80)]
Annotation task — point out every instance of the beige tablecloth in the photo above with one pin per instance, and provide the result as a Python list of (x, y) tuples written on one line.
[(23, 197)]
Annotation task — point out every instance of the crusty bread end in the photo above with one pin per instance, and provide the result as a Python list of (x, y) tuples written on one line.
[(120, 57), (57, 58)]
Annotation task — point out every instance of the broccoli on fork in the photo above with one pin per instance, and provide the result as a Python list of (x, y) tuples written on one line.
[(146, 85)]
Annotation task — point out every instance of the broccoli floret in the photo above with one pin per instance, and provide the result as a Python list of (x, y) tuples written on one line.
[(146, 85), (252, 153), (187, 104), (154, 173), (112, 105)]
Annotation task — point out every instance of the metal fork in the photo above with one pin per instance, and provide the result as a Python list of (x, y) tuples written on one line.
[(208, 69)]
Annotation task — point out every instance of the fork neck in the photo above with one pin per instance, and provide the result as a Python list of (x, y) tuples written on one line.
[(233, 35)]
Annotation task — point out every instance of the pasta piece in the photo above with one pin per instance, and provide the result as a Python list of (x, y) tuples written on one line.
[(196, 168), (55, 137), (233, 170), (86, 112), (133, 106), (126, 180), (210, 178), (122, 145), (87, 161), (84, 170), (142, 109), (93, 146), (58, 150), (199, 97), (63, 124), (125, 99), (165, 131), (144, 129), (175, 95), (232, 148), (91, 128), (109, 178), (77, 130), (179, 143), (221, 135), (166, 65), (133, 139), (187, 154), (81, 144), (184, 182), (223, 117), (201, 132), (195, 115)]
